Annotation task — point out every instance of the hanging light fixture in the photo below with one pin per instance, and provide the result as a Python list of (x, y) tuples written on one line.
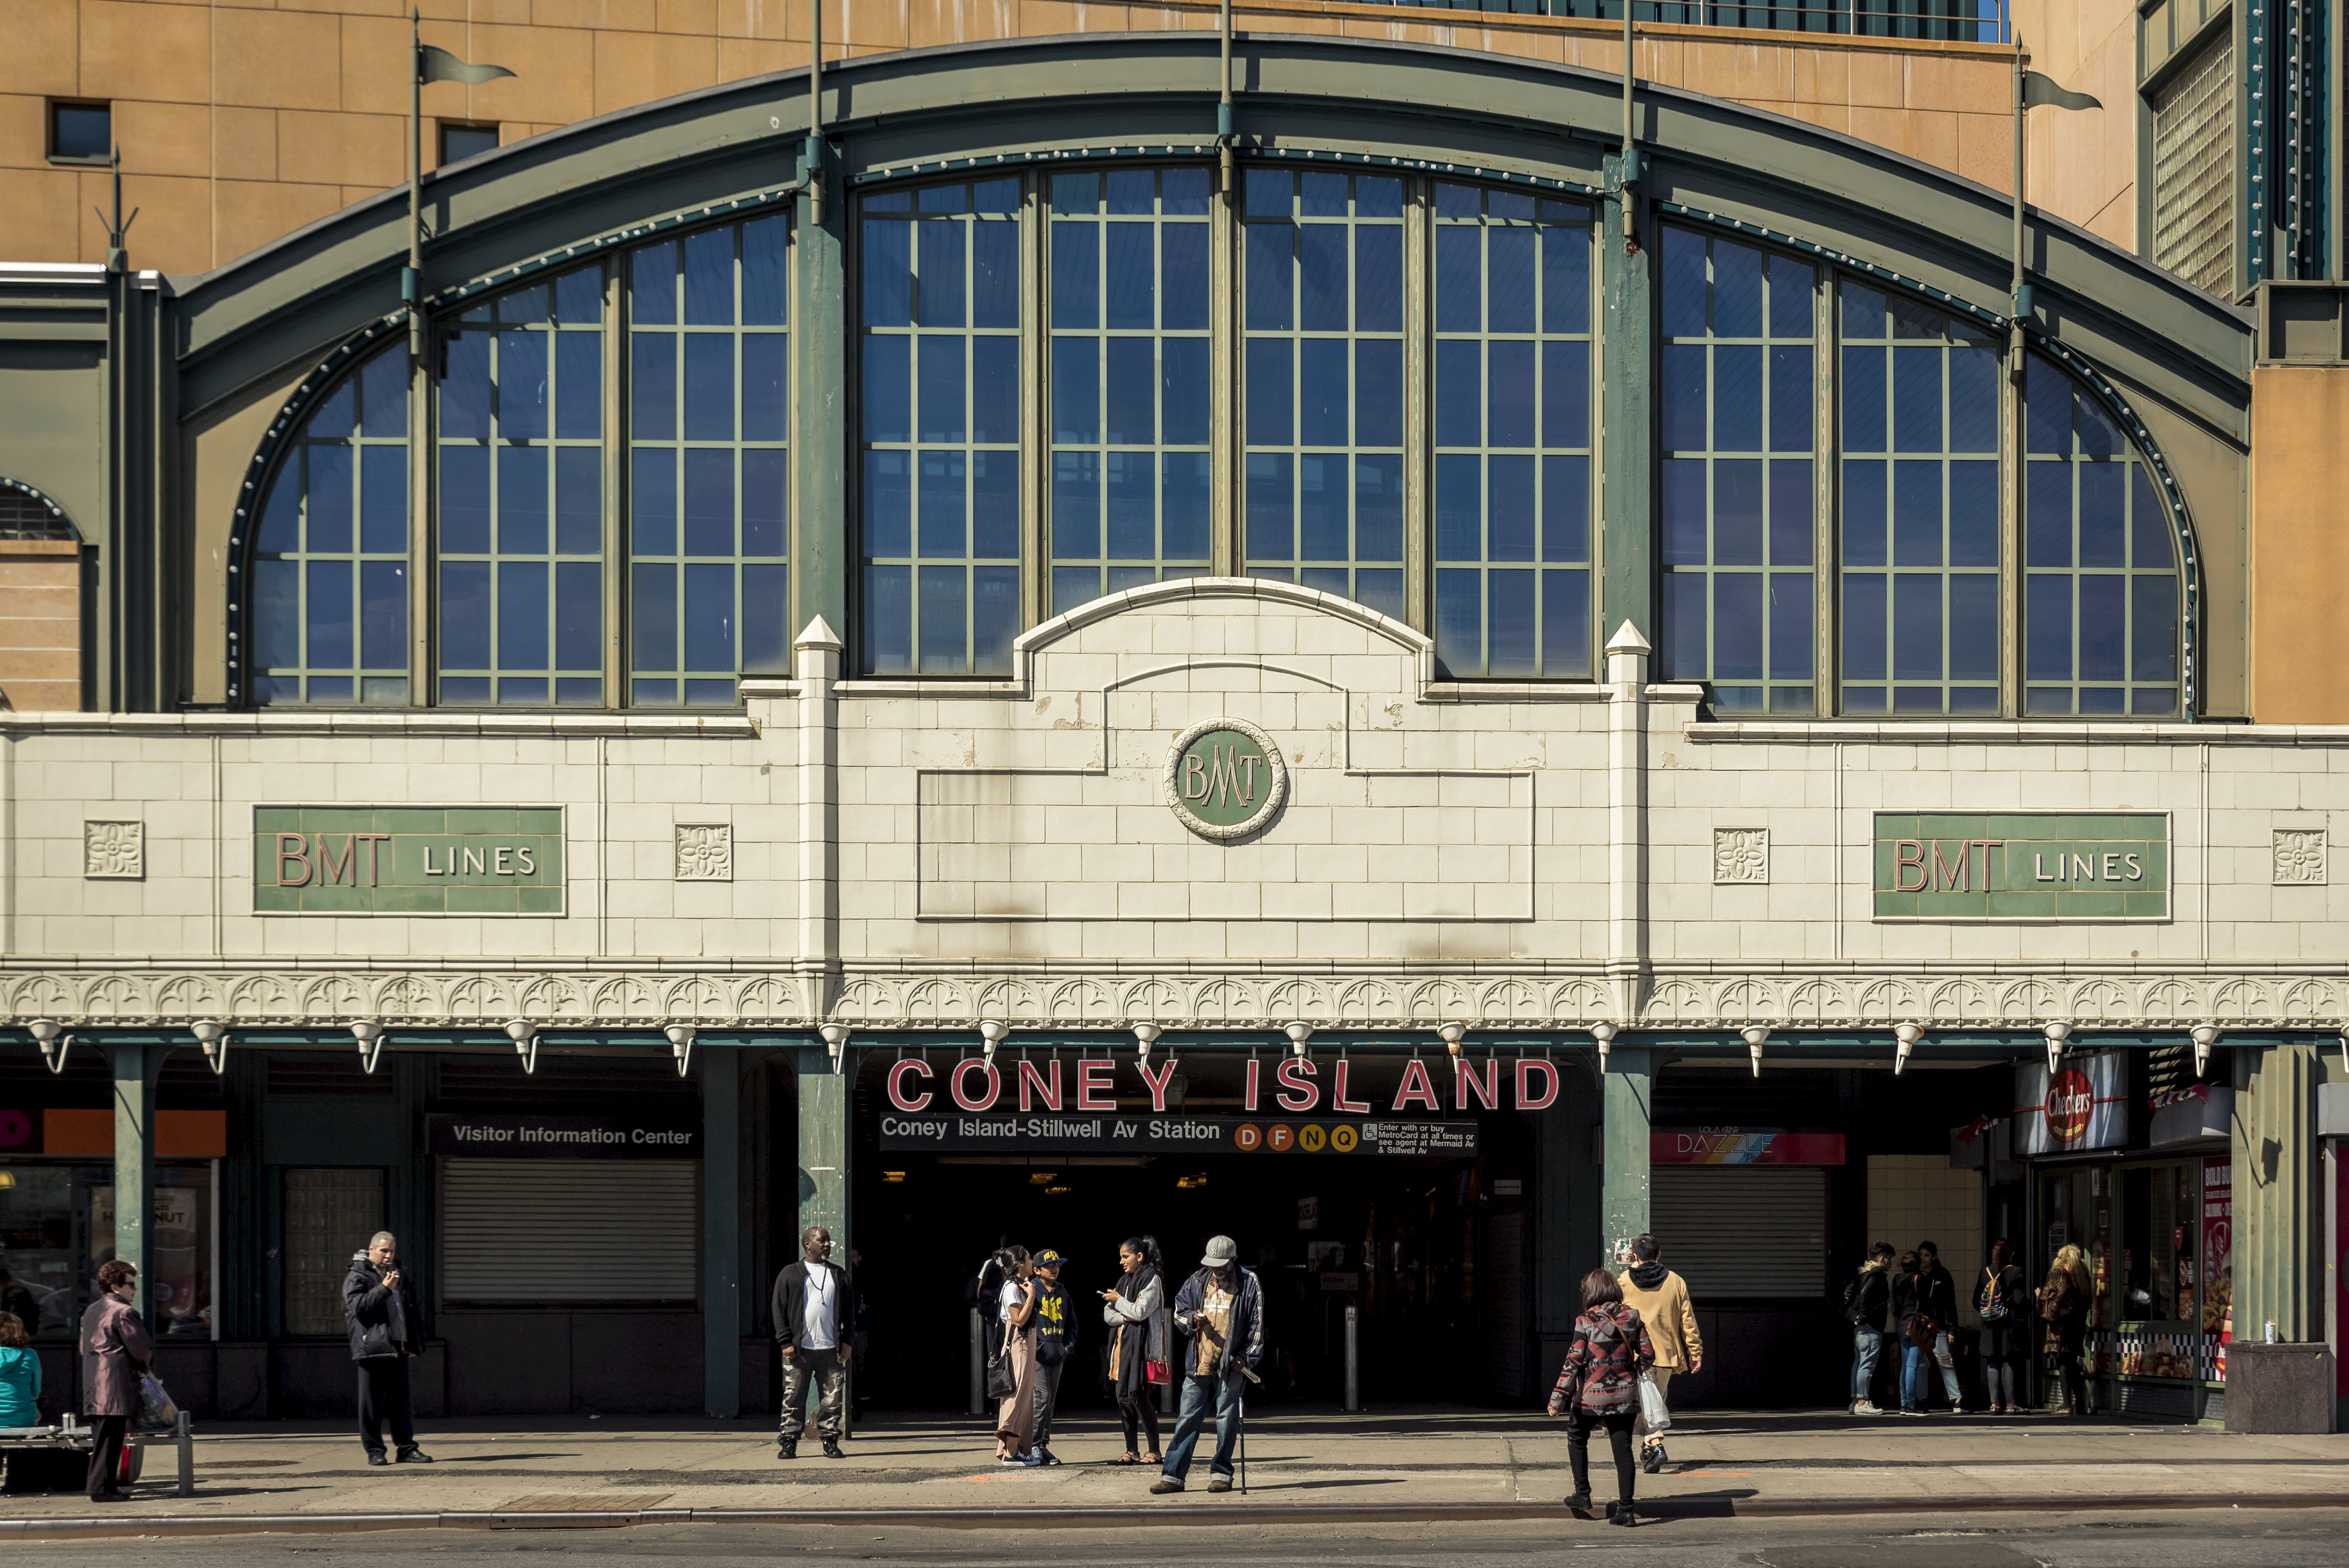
[(992, 1034), (1451, 1034), (836, 1040), (2205, 1036), (1298, 1035), (1605, 1034), (369, 1036), (1756, 1036), (680, 1045), (212, 1036), (48, 1034), (1144, 1035), (2056, 1034), (1907, 1035), (524, 1036)]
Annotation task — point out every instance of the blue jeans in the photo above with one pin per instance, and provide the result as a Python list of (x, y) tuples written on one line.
[(1913, 1362), (1225, 1391), (1867, 1349)]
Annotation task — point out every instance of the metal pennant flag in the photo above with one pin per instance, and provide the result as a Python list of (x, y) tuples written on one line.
[(438, 64), (2041, 92)]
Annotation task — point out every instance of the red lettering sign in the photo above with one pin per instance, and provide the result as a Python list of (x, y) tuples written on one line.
[(2071, 1102), (993, 1079), (898, 1074)]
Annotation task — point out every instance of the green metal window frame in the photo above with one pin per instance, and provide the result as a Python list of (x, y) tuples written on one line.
[(716, 469), (515, 592), (1512, 506), (1109, 486), (1286, 477), (1736, 376), (324, 570), (1921, 552), (2102, 621), (938, 485)]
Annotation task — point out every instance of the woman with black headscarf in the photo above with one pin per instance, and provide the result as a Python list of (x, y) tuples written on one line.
[(1135, 1311)]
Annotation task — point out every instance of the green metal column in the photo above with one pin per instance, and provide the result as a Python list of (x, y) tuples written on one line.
[(1627, 356), (1624, 1099), (825, 1107), (2278, 1200), (136, 1070), (820, 459), (721, 1208)]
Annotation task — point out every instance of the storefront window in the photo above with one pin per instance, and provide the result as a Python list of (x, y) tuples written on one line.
[(56, 1226), (329, 1214)]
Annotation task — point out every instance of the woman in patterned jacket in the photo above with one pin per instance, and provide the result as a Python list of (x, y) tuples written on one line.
[(1600, 1386)]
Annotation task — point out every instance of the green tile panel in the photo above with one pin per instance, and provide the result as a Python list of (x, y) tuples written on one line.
[(407, 859), (2021, 865)]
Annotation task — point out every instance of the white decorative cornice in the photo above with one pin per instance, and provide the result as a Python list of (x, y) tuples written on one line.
[(720, 998)]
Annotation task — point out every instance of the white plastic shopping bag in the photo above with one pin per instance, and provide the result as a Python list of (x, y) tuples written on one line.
[(1653, 1411)]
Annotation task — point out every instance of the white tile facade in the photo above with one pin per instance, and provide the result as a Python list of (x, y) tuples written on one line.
[(1006, 852)]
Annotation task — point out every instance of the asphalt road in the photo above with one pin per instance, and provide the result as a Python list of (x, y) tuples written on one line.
[(2214, 1538)]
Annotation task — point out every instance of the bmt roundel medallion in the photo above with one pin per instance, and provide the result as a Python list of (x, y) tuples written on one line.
[(1225, 779)]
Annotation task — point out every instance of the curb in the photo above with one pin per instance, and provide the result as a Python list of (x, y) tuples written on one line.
[(123, 1525)]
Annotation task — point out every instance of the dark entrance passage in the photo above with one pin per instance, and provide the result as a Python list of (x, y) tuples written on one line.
[(1432, 1252)]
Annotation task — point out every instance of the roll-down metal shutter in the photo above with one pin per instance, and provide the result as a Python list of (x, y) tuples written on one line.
[(538, 1231), (1743, 1229)]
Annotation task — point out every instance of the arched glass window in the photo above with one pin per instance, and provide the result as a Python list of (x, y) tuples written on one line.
[(1512, 501), (1737, 416), (328, 583), (2100, 609), (1323, 384), (709, 464), (520, 614), (940, 393), (1921, 553), (1128, 283)]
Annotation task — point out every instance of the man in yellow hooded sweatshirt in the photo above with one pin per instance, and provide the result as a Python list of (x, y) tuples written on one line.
[(1661, 1299)]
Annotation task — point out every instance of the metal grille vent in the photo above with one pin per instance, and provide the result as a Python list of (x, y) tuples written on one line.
[(1743, 1229), (2194, 170), (24, 515)]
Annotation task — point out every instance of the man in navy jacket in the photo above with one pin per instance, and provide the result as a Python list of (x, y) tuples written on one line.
[(1221, 1308)]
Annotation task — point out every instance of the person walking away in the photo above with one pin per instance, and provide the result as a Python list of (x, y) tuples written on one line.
[(1904, 1315), (115, 1349), (1998, 1303), (1015, 1418), (1056, 1336), (1221, 1308), (1135, 1312), (1598, 1386), (812, 1316), (1865, 1300), (387, 1333), (2063, 1302), (1660, 1297), (1937, 1298), (20, 1375)]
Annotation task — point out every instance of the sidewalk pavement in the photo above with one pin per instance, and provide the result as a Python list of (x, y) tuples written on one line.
[(1304, 1464)]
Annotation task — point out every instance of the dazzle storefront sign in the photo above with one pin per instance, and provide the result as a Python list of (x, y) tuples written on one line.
[(1086, 1086), (2082, 1105), (1741, 1146)]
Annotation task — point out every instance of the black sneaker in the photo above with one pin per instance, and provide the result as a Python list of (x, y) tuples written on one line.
[(1580, 1505), (375, 1456), (1623, 1515), (787, 1448), (832, 1449), (1046, 1457), (412, 1455)]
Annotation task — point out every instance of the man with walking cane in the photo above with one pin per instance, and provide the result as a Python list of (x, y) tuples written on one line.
[(1221, 1307)]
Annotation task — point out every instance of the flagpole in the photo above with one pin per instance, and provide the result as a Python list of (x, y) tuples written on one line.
[(411, 279), (2019, 294)]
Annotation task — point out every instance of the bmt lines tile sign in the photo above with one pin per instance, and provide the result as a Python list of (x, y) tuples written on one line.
[(2021, 865), (407, 859)]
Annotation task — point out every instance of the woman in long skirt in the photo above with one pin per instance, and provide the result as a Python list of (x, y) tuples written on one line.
[(1015, 1419)]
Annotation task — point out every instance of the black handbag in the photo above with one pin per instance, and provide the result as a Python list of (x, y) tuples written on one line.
[(1002, 1382)]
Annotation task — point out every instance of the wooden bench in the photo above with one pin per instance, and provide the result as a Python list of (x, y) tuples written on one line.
[(68, 1433)]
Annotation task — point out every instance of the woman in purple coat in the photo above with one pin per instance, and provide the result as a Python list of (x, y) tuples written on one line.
[(115, 1350)]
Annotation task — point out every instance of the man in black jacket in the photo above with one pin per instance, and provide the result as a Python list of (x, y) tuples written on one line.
[(814, 1318), (387, 1332), (1865, 1300)]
